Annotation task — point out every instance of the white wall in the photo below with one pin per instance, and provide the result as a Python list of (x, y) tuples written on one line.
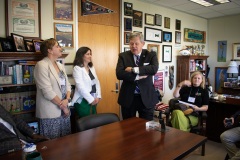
[(187, 21), (219, 29)]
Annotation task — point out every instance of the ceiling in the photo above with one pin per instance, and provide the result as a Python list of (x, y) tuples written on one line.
[(231, 8)]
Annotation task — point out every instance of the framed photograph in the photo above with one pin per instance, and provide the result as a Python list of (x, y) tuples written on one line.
[(220, 78), (63, 10), (149, 19), (167, 36), (178, 24), (177, 37), (167, 53), (227, 84), (18, 41), (153, 35), (236, 50), (29, 46), (63, 33), (166, 22), (126, 37), (159, 80), (128, 9), (7, 45), (158, 20), (153, 48), (126, 49), (37, 43), (137, 18), (23, 17), (192, 35)]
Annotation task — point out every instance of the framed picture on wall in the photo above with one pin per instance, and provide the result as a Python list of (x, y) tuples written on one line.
[(167, 36), (126, 37), (63, 33), (153, 48), (178, 24), (127, 24), (149, 19), (23, 17), (177, 37), (167, 22), (158, 20), (63, 10), (128, 9), (159, 80), (236, 51), (137, 18), (153, 35), (220, 78), (167, 53)]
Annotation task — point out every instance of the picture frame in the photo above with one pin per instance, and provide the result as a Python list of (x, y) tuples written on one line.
[(236, 51), (196, 36), (7, 45), (167, 36), (37, 43), (126, 37), (166, 53), (154, 48), (178, 24), (220, 78), (153, 35), (127, 24), (63, 33), (137, 18), (149, 19), (63, 10), (227, 84), (158, 20), (23, 17), (29, 46), (18, 41), (178, 37), (167, 22), (159, 80), (128, 9)]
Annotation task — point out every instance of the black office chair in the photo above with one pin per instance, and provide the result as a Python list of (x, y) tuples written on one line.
[(200, 128), (96, 120)]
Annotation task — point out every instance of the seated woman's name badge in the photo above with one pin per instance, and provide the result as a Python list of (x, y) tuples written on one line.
[(191, 99)]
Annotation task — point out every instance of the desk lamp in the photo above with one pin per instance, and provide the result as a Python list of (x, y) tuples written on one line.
[(232, 70)]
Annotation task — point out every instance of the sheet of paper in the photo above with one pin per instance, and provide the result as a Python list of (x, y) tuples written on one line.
[(188, 104)]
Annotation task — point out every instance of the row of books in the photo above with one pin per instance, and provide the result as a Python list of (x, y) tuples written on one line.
[(22, 72), (197, 65), (16, 102)]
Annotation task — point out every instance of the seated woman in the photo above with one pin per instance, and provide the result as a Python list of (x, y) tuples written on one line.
[(192, 92)]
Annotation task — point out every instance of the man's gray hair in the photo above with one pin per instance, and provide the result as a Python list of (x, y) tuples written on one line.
[(137, 34)]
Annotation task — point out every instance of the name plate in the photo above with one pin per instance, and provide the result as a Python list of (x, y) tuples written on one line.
[(5, 79)]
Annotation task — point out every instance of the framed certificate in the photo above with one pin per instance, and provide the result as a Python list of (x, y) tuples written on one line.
[(149, 19)]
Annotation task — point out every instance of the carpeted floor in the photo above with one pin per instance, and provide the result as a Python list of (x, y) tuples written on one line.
[(213, 151)]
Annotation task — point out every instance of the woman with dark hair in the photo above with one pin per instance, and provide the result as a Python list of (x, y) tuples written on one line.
[(191, 91), (53, 92), (87, 90)]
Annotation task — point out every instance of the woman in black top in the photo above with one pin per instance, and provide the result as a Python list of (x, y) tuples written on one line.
[(192, 92)]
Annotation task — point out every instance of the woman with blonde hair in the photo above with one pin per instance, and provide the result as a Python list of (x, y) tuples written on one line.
[(192, 92)]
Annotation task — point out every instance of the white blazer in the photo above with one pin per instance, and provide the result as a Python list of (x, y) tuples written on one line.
[(83, 84)]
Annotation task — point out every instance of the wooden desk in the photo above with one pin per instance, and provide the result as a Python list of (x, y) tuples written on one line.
[(127, 139), (217, 111)]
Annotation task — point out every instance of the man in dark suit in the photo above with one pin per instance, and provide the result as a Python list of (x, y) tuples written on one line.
[(136, 69), (14, 132)]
